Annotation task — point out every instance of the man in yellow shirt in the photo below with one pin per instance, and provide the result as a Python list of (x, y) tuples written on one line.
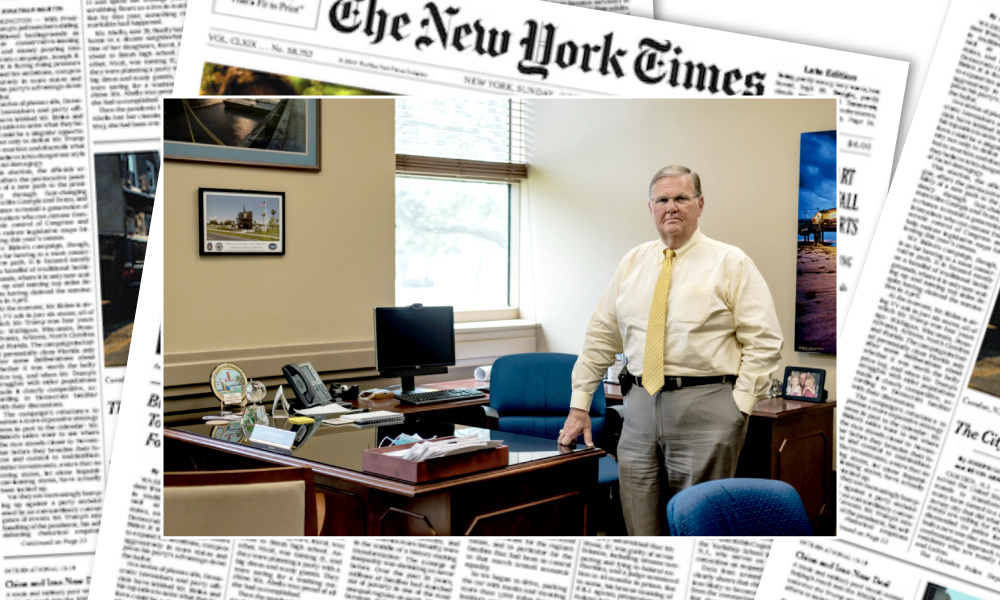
[(697, 323)]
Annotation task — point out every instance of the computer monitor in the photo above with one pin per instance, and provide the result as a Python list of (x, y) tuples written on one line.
[(414, 340)]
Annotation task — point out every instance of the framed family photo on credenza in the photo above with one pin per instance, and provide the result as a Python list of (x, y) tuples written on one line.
[(802, 383)]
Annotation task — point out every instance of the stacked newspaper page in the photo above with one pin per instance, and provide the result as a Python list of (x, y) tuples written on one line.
[(919, 468), (79, 160)]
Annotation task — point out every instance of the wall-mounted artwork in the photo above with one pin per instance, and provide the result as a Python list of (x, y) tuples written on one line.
[(224, 80), (241, 222), (816, 274), (253, 132)]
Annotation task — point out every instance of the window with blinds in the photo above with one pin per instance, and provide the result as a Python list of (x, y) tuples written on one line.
[(458, 167), (449, 137)]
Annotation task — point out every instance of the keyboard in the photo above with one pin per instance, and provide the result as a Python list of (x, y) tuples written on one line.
[(440, 396)]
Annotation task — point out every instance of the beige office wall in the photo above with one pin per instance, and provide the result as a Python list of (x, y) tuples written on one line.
[(313, 303), (591, 162)]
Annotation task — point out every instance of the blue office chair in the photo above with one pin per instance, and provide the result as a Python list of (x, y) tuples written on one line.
[(530, 394), (738, 507)]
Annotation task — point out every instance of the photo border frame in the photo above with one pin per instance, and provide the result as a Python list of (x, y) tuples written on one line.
[(249, 157), (819, 374)]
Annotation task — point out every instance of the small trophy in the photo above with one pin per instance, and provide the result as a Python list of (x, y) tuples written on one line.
[(255, 413)]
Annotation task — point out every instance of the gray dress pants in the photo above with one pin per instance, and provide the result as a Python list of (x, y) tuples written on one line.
[(672, 441)]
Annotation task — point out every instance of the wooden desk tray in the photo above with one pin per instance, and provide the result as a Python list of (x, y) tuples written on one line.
[(375, 461)]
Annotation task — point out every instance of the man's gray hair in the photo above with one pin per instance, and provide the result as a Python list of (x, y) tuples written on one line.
[(676, 171)]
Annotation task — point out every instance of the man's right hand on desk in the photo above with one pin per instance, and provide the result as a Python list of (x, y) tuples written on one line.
[(577, 422)]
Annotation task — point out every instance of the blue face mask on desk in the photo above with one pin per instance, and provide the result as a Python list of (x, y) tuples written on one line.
[(403, 438)]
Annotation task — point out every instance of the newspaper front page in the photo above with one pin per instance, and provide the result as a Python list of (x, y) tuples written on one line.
[(79, 156), (919, 462), (393, 46)]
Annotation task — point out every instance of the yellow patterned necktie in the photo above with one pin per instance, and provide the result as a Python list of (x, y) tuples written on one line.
[(652, 366)]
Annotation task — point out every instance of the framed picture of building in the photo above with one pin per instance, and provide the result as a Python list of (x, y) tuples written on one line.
[(254, 132), (241, 222)]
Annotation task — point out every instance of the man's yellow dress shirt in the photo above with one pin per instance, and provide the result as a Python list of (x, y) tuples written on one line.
[(720, 320)]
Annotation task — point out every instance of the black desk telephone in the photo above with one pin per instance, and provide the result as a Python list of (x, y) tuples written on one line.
[(307, 385)]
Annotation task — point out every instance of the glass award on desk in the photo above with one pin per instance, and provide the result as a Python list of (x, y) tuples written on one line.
[(255, 392), (253, 412)]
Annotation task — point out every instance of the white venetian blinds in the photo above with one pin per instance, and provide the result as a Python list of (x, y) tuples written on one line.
[(461, 138)]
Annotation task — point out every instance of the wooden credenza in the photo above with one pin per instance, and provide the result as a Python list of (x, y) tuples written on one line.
[(792, 441)]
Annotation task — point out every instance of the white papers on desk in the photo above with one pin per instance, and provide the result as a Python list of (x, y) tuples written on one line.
[(322, 409), (374, 418), (437, 448), (483, 373)]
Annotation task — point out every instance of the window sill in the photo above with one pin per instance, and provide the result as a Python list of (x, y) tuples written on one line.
[(504, 325), (481, 342), (494, 314)]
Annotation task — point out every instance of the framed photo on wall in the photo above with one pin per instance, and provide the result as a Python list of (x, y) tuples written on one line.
[(816, 257), (253, 132), (802, 383), (241, 222)]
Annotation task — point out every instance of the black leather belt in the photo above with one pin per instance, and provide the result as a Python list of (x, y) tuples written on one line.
[(671, 384)]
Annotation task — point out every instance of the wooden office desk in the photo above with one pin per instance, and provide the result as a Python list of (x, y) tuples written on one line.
[(791, 441), (549, 492)]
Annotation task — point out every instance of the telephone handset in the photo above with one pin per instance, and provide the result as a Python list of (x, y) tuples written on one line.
[(307, 385)]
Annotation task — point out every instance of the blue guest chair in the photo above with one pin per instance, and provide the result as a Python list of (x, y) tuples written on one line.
[(530, 394), (738, 507)]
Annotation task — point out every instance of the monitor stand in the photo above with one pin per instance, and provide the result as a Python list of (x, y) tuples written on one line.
[(409, 387)]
